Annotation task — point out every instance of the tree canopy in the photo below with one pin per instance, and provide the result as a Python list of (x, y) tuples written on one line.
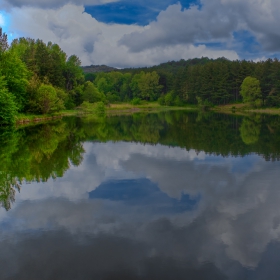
[(251, 90), (38, 77)]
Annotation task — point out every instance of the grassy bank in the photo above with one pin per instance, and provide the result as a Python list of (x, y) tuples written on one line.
[(112, 109), (127, 108), (244, 108)]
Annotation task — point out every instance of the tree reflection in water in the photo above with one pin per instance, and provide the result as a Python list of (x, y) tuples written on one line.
[(40, 152)]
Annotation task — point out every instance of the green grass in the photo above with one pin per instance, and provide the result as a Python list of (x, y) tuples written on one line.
[(119, 108)]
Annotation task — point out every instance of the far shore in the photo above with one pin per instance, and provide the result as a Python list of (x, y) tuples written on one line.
[(244, 109), (127, 108)]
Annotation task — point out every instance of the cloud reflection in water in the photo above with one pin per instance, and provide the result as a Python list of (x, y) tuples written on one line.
[(133, 211)]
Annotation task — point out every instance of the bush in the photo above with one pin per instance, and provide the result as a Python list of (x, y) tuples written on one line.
[(136, 101), (97, 108), (100, 109), (161, 101), (168, 99), (258, 103), (47, 100), (113, 98), (8, 108), (251, 90), (178, 102), (92, 94)]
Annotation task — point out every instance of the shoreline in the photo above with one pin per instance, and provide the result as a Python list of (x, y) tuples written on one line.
[(244, 109), (126, 109), (113, 110)]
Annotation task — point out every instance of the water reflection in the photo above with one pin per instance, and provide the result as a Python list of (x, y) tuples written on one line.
[(128, 210), (250, 131)]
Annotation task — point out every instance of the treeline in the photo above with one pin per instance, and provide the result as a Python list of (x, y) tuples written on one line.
[(195, 81), (39, 78)]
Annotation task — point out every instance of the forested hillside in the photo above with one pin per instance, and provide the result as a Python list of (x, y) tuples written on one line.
[(39, 78), (203, 81), (98, 68)]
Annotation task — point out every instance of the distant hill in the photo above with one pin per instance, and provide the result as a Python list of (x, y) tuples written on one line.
[(98, 68), (172, 67)]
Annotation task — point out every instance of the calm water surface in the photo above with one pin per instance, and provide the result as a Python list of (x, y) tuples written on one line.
[(149, 196)]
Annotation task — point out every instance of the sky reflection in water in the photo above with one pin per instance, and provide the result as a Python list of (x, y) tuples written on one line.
[(135, 211)]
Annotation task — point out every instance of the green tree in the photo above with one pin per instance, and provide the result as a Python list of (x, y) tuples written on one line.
[(8, 108), (16, 75), (250, 90), (47, 100), (168, 99), (91, 93), (73, 73), (149, 85)]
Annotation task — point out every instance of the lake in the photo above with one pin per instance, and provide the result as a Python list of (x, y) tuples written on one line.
[(170, 195)]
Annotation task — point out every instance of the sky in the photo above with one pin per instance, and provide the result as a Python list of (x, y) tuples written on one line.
[(133, 33)]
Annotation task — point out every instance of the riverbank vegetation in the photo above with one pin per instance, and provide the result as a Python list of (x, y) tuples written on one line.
[(37, 78), (203, 82), (40, 79)]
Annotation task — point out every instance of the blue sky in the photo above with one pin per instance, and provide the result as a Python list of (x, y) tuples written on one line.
[(124, 33), (132, 12)]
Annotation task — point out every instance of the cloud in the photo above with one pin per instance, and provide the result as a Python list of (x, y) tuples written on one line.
[(95, 42), (215, 20), (61, 255), (174, 26), (261, 18), (228, 200), (2, 20), (237, 216), (196, 31)]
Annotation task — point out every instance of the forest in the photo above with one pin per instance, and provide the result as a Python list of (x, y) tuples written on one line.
[(195, 81), (39, 78)]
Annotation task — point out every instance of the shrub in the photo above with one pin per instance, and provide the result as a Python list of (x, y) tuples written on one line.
[(168, 99), (177, 101), (8, 108), (161, 100), (136, 101), (100, 109), (47, 100), (92, 94)]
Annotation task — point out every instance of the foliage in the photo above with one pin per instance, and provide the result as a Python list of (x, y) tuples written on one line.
[(136, 101), (41, 152), (250, 90), (47, 100), (8, 107), (100, 109), (161, 100), (250, 131), (39, 76), (168, 99), (86, 107), (27, 66), (213, 81), (91, 93), (15, 73), (97, 108)]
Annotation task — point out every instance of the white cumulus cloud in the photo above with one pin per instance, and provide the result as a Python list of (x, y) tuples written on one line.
[(98, 43)]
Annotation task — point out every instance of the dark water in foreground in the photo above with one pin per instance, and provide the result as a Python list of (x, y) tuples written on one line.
[(159, 196)]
